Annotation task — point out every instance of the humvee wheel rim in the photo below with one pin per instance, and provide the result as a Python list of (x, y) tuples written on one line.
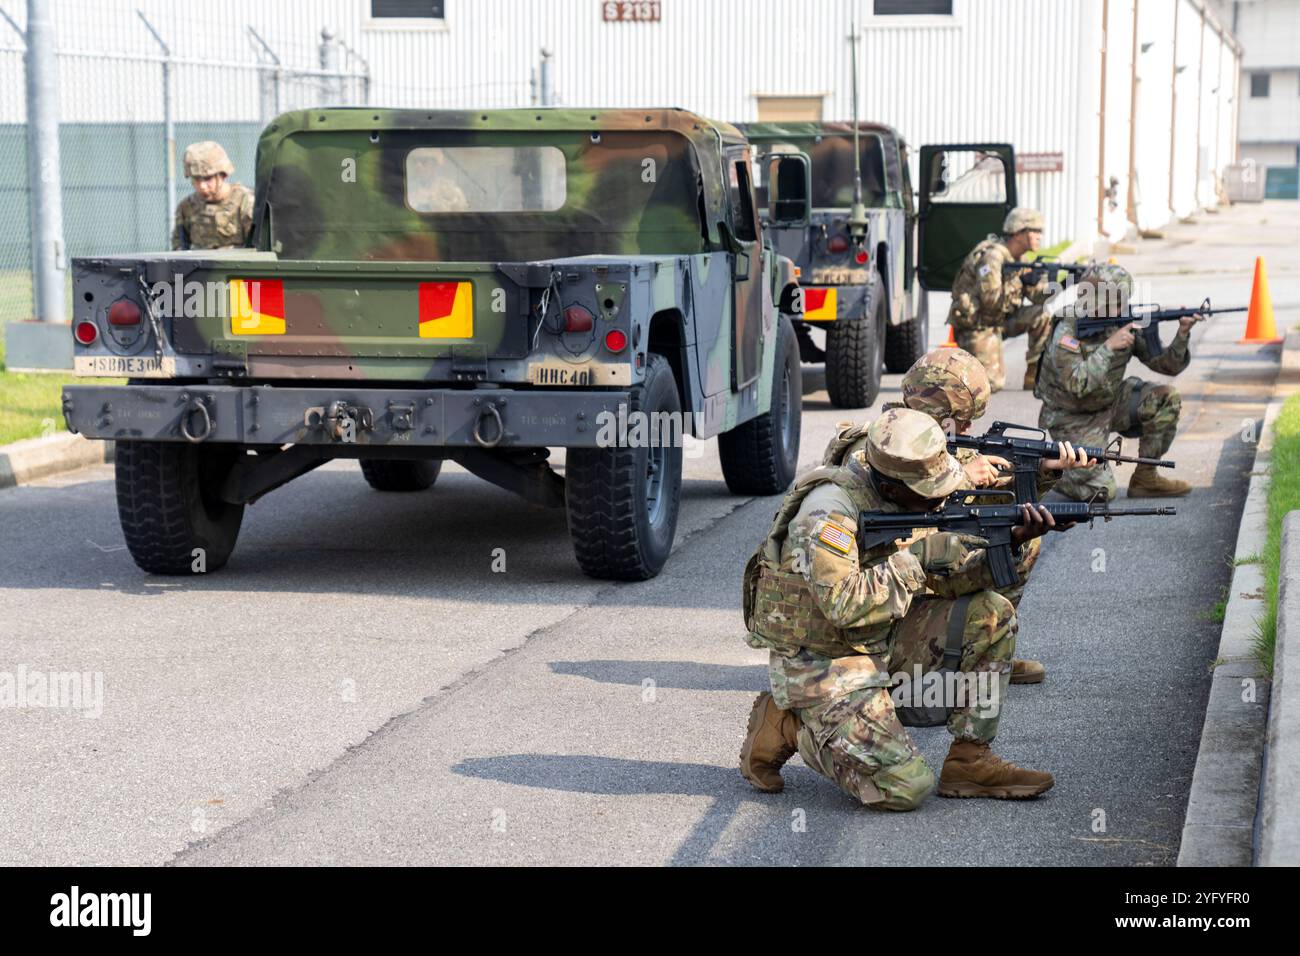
[(654, 482)]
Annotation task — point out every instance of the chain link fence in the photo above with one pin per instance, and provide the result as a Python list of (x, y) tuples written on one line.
[(126, 115)]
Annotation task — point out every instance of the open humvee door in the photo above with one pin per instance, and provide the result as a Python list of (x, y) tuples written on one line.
[(966, 192)]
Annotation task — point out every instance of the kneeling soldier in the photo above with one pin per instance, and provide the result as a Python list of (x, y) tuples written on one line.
[(988, 306), (950, 385), (1086, 395), (837, 622)]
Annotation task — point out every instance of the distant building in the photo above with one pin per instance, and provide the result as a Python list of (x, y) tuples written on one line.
[(1117, 131), (1269, 134)]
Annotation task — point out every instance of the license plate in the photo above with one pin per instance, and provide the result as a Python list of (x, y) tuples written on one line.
[(120, 366), (579, 376)]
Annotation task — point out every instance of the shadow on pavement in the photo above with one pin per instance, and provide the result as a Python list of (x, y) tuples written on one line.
[(678, 675), (615, 776)]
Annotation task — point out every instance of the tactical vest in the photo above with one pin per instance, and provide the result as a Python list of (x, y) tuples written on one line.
[(1050, 388), (781, 613)]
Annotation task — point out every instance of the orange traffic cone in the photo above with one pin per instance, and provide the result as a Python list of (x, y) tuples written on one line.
[(952, 339), (1260, 329)]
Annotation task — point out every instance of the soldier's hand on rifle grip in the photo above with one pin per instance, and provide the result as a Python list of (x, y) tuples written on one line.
[(1186, 322), (983, 470), (1121, 338)]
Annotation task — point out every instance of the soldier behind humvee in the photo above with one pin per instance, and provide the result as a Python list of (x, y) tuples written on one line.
[(219, 213), (1086, 395), (988, 306), (837, 623)]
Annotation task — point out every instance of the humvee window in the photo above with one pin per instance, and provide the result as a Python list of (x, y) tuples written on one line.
[(485, 178), (740, 194), (492, 195), (967, 176), (832, 158)]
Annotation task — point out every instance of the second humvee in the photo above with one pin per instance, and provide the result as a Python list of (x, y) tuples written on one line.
[(861, 289)]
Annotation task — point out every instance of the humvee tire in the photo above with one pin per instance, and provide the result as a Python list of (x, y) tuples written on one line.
[(906, 342), (759, 457), (622, 502), (855, 355), (168, 504), (399, 475)]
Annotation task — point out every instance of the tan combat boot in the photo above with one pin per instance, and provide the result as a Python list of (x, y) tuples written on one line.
[(972, 769), (1146, 483), (770, 740), (1027, 671)]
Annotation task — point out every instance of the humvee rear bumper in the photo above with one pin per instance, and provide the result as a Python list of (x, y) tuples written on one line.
[(359, 416)]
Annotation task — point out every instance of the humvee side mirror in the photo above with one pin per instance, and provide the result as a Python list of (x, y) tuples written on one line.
[(789, 190)]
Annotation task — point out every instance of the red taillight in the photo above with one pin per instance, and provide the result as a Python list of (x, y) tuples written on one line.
[(861, 257), (577, 319), (615, 340), (123, 312), (86, 333), (837, 244)]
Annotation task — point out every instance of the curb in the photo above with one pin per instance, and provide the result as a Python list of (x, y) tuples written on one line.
[(1279, 823), (1290, 370), (1219, 827), (26, 461)]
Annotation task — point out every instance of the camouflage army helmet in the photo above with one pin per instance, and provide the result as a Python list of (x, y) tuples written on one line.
[(947, 383), (1105, 289), (1022, 217), (1108, 273), (206, 159), (908, 446)]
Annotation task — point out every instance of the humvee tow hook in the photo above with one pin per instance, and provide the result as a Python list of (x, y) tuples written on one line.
[(340, 420), (491, 411), (196, 404)]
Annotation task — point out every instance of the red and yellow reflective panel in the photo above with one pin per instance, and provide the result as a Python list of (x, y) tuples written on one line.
[(819, 303), (446, 310), (256, 307)]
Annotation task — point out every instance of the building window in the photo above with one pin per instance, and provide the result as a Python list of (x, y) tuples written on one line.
[(408, 9), (1259, 85), (899, 8)]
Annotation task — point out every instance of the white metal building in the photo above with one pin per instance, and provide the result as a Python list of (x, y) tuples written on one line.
[(1067, 81), (1270, 88)]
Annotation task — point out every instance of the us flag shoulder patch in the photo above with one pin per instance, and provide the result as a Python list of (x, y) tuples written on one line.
[(1069, 342), (836, 538)]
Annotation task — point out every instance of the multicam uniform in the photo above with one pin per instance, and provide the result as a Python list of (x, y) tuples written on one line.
[(988, 307), (214, 225), (1086, 396), (838, 621), (223, 224), (847, 433)]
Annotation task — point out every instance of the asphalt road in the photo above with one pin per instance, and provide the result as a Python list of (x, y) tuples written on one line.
[(358, 685)]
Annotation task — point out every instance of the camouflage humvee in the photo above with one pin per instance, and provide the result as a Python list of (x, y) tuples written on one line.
[(475, 286), (860, 288)]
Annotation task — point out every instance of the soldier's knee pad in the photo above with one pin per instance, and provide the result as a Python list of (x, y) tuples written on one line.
[(1168, 401), (990, 606), (995, 615), (903, 786)]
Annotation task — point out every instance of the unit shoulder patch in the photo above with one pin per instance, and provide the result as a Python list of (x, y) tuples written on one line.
[(836, 537), (985, 270)]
